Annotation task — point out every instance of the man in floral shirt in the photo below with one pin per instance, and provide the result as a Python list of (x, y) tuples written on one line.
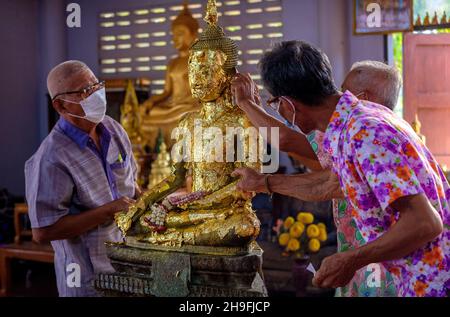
[(379, 159), (398, 193)]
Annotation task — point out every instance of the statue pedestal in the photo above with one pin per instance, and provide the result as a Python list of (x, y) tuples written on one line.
[(143, 270)]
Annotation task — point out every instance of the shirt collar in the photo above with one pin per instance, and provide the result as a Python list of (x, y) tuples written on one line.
[(344, 108), (77, 135)]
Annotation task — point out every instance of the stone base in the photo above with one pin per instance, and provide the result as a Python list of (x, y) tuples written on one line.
[(158, 272)]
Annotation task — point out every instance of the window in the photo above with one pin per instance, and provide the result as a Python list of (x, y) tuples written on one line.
[(137, 42)]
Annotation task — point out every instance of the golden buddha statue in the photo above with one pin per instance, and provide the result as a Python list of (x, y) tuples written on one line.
[(160, 167), (215, 213), (165, 110)]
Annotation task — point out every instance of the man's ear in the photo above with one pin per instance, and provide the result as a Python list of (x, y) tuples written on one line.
[(364, 96), (59, 106)]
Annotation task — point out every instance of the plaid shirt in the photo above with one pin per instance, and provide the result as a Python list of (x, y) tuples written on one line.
[(69, 175)]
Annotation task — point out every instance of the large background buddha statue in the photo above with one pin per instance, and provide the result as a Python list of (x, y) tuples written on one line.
[(165, 110), (215, 213)]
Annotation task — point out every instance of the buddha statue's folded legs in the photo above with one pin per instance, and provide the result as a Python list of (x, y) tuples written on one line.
[(232, 226), (222, 218)]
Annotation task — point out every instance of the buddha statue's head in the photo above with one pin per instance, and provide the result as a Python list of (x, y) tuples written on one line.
[(212, 60), (184, 29)]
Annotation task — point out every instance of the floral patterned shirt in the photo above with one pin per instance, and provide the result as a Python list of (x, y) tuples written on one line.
[(349, 237), (378, 159)]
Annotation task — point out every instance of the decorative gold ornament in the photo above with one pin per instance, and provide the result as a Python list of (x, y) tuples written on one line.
[(418, 21), (129, 114), (161, 167), (444, 18), (426, 20), (435, 20)]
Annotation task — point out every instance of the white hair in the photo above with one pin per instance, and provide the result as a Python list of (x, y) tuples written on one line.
[(382, 80), (59, 77)]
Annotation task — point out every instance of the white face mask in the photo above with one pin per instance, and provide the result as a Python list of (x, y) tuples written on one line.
[(291, 124), (93, 106)]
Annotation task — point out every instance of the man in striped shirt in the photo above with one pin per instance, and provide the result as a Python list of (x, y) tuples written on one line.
[(81, 175)]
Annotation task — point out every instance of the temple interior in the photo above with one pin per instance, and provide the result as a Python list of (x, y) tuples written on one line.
[(140, 49)]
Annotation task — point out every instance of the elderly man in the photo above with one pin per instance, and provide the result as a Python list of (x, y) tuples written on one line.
[(370, 80), (81, 175), (398, 194), (374, 81)]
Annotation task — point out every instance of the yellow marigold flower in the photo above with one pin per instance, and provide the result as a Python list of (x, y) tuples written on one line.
[(322, 234), (288, 222), (297, 230), (314, 245), (283, 239), (293, 245), (305, 217), (312, 231), (322, 225)]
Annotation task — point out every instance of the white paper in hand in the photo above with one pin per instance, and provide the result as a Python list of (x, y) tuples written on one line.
[(311, 268)]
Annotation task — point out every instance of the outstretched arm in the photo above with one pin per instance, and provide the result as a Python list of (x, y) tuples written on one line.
[(72, 226), (317, 186), (419, 223), (247, 98)]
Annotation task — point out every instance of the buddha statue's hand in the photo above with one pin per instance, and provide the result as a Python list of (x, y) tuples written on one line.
[(182, 200), (125, 220), (155, 220)]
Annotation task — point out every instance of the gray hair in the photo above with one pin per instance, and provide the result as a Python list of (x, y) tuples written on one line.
[(380, 79), (59, 78)]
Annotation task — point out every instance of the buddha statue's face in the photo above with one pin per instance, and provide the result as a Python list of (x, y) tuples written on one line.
[(207, 77), (182, 37)]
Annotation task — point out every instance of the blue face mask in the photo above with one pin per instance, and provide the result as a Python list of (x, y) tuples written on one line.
[(291, 125)]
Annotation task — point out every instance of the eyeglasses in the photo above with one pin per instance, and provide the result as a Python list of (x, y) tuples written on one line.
[(85, 92)]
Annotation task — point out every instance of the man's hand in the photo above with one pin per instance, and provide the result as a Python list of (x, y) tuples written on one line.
[(336, 270), (118, 205), (244, 90), (72, 226), (251, 181)]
